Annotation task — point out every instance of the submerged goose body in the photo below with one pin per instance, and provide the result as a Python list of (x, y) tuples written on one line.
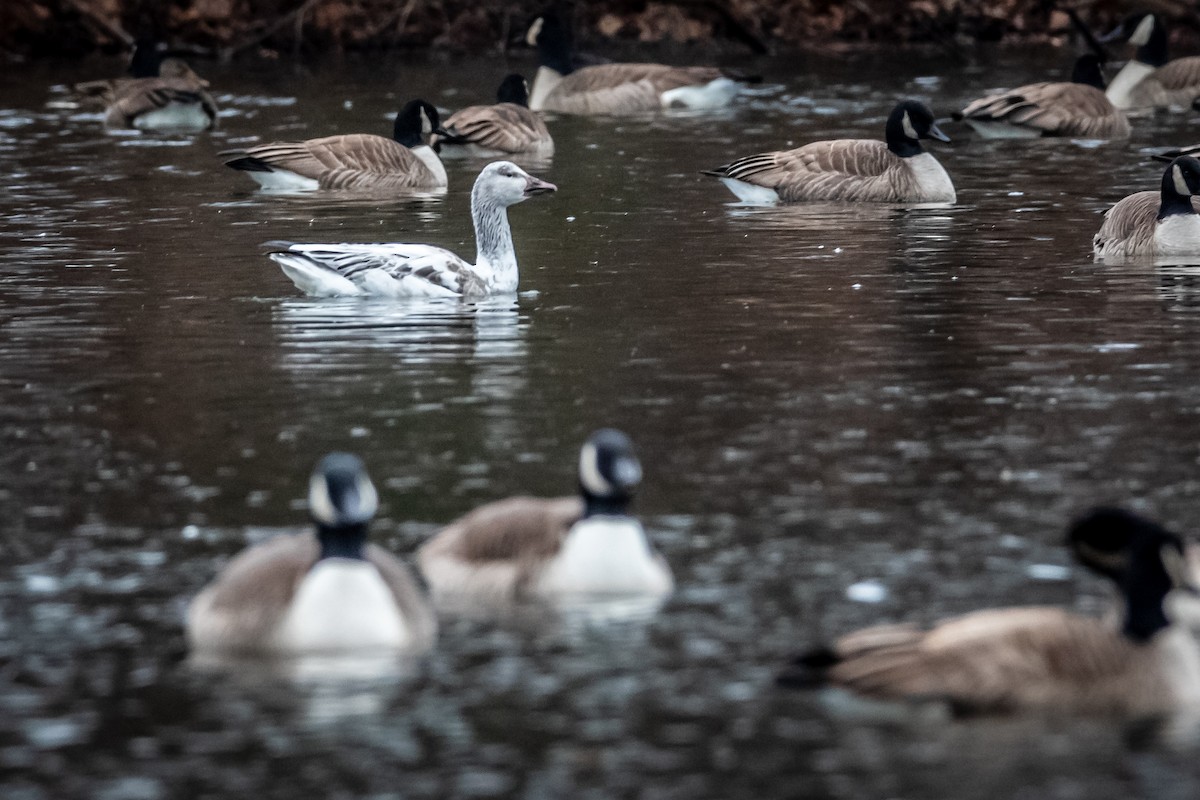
[(328, 593), (617, 88), (1149, 80), (162, 95), (350, 161), (1155, 224), (857, 170), (1077, 108), (421, 270), (556, 549), (507, 128), (1044, 659)]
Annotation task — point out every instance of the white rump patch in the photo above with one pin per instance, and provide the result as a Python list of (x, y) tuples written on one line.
[(314, 280), (749, 193), (174, 117), (1002, 130), (714, 94), (281, 180)]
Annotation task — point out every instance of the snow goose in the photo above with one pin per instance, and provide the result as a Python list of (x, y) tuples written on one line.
[(422, 270), (350, 161), (1149, 81), (557, 549), (859, 170), (1077, 108), (1162, 223), (163, 95), (1043, 658), (326, 593), (617, 88), (506, 128)]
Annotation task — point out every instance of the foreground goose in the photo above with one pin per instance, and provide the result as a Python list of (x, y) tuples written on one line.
[(1162, 223), (326, 593), (422, 270), (1149, 81), (506, 128), (554, 549), (350, 161), (617, 88), (861, 170), (1078, 108), (162, 95), (1043, 658)]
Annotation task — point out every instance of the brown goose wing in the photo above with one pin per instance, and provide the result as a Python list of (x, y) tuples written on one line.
[(506, 127), (1130, 220), (342, 162), (242, 607), (133, 97), (418, 613), (623, 88), (841, 169), (1179, 74), (994, 660), (1061, 109), (517, 528)]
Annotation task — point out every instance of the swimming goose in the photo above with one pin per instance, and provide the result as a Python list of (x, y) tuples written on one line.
[(1078, 108), (1044, 658), (1162, 223), (350, 161), (422, 270), (617, 88), (507, 128), (564, 548), (323, 593), (1149, 80), (861, 170), (162, 95)]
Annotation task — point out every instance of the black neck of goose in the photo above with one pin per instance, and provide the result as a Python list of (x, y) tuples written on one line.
[(1154, 51), (403, 132), (554, 50), (1089, 74), (594, 506), (346, 541), (146, 61), (1146, 585), (898, 141), (1173, 203)]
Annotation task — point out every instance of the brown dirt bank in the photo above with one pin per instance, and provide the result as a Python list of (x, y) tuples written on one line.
[(37, 28)]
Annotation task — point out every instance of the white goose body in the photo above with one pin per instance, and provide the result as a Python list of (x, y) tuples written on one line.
[(342, 604), (421, 270), (605, 555)]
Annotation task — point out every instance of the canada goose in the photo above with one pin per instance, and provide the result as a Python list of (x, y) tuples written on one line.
[(1149, 80), (329, 592), (562, 548), (350, 161), (422, 270), (860, 170), (1162, 223), (1078, 108), (1043, 658), (507, 128), (616, 88), (162, 95)]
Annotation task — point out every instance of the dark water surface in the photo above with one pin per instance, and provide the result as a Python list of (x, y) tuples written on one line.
[(907, 402)]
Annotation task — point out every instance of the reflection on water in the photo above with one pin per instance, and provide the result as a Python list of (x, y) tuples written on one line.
[(825, 398)]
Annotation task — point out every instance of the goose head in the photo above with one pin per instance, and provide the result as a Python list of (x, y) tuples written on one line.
[(1148, 563), (342, 500), (513, 89), (415, 123), (909, 122), (146, 59), (1144, 31), (553, 42), (503, 183), (609, 472), (1088, 70), (1180, 182)]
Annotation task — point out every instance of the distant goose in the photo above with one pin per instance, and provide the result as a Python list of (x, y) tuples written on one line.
[(328, 593), (422, 270), (1043, 658), (507, 128), (350, 161), (1162, 223), (563, 548), (1149, 80), (162, 95), (617, 88), (858, 170), (1078, 108)]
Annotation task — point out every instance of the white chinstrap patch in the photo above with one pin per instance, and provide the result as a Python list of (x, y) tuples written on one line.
[(909, 130), (320, 504), (1141, 34), (1181, 185), (589, 472)]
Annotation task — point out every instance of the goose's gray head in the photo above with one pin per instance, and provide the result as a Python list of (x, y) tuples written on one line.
[(513, 89), (909, 122), (340, 494), (415, 123), (504, 183), (1183, 177), (608, 468)]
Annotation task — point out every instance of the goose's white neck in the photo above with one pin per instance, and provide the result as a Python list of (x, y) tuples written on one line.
[(495, 256), (1119, 91), (431, 161), (543, 83)]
